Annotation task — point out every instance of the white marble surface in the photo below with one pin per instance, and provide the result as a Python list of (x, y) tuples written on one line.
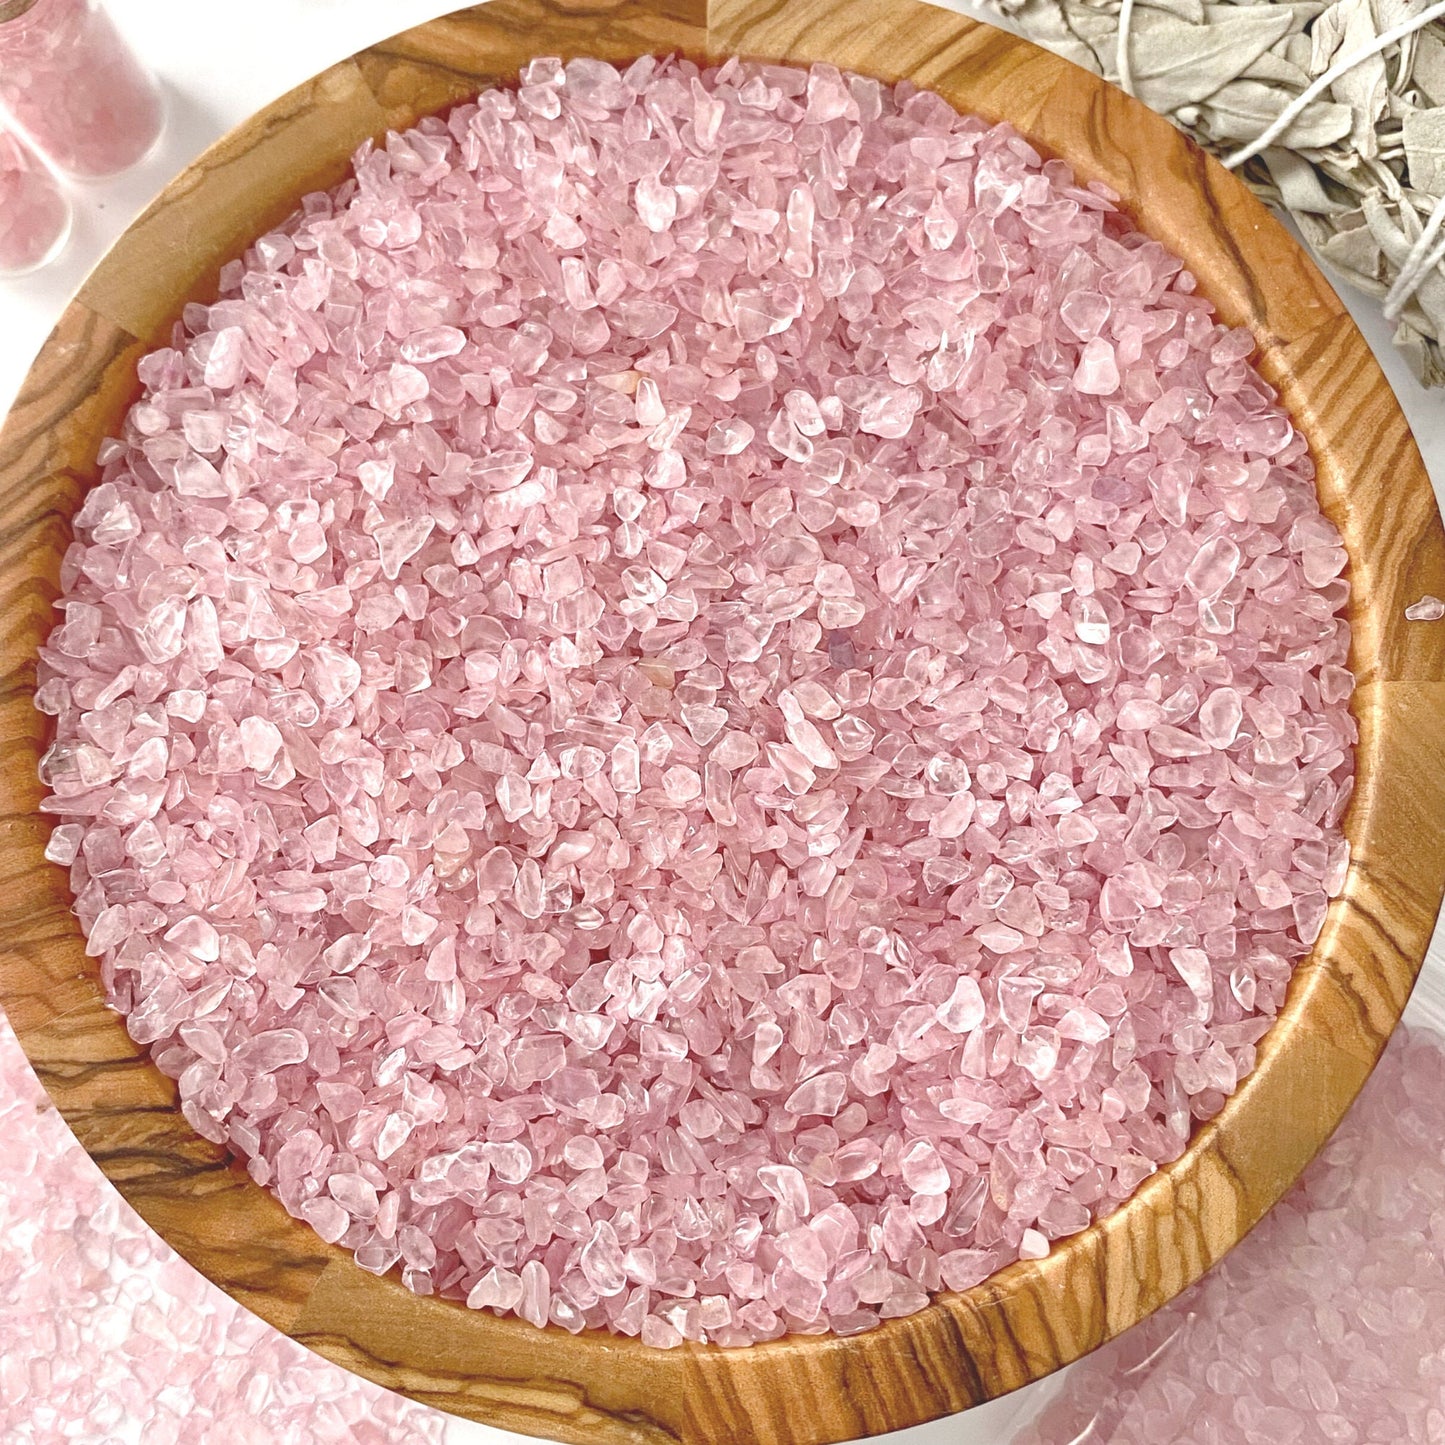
[(220, 62)]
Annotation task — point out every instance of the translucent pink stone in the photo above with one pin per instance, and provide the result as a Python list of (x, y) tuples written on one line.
[(707, 701), (1097, 373)]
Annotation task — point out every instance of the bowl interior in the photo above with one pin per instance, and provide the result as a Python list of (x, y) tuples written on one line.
[(1030, 1319)]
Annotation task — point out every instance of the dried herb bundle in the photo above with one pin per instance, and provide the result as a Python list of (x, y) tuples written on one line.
[(1361, 168)]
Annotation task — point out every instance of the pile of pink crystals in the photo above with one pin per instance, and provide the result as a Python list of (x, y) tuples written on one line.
[(1325, 1326), (109, 1336), (704, 703)]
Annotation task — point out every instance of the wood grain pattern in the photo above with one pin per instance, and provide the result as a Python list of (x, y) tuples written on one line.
[(449, 60), (1031, 1318)]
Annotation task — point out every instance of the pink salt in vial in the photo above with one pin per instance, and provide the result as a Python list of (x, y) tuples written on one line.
[(704, 703), (35, 215), (72, 86)]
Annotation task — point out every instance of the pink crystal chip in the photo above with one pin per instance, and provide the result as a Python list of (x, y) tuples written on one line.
[(704, 703)]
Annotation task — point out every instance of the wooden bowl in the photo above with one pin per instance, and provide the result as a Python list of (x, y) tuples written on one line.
[(1031, 1318)]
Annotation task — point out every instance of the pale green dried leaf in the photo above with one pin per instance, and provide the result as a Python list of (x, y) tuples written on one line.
[(1343, 168), (1093, 30), (1424, 132), (1242, 109), (1427, 72), (1178, 64), (1045, 23), (1276, 69), (1296, 49), (1362, 87), (1317, 230), (1301, 12), (1421, 356), (1385, 227), (1299, 183), (1373, 174), (1190, 10), (1326, 34), (1091, 24), (1428, 302), (1356, 251), (1389, 13)]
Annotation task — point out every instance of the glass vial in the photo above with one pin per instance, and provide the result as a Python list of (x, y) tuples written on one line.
[(74, 89), (34, 213)]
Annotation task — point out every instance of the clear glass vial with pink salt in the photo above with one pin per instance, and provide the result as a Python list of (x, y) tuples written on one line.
[(35, 216), (74, 89)]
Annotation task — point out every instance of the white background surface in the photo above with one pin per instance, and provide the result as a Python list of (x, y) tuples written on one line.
[(219, 62)]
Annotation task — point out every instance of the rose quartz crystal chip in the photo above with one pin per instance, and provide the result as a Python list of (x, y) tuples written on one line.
[(702, 704), (1427, 609), (111, 1336), (1324, 1325), (1097, 373)]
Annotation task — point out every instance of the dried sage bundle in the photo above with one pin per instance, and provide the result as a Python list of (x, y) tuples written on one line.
[(1361, 168)]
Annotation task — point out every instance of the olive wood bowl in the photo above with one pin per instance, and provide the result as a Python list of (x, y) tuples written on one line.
[(1031, 1318)]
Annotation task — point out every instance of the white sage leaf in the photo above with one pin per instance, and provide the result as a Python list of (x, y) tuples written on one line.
[(1190, 10), (1395, 243), (1274, 67), (1296, 49), (1326, 34), (1301, 12), (1427, 72), (1424, 136), (1317, 230), (1422, 357), (1362, 87), (1299, 184), (1358, 252), (1241, 110), (1179, 64)]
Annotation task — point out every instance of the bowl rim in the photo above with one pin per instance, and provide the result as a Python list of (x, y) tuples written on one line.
[(1031, 1317)]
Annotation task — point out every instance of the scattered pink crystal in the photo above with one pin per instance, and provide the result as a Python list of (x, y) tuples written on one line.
[(702, 704), (109, 1335), (1427, 609), (1324, 1325), (75, 89), (34, 214)]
